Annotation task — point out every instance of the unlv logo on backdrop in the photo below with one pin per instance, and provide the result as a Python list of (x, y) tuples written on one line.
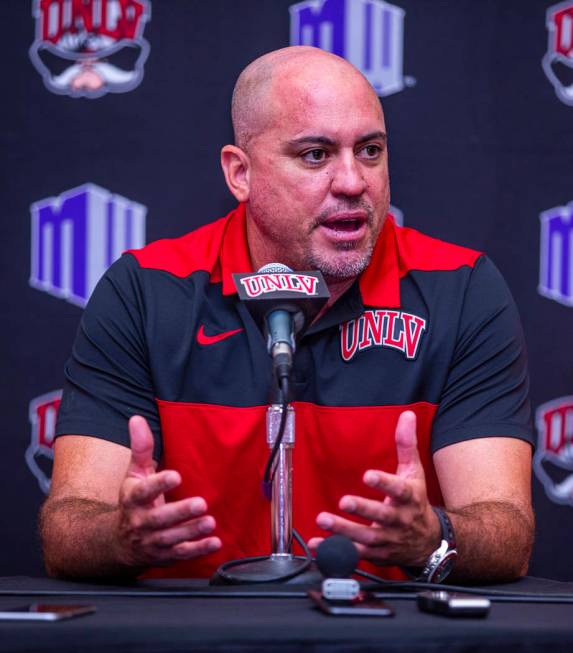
[(558, 60), (368, 33), (87, 48), (78, 235), (382, 328), (556, 256), (39, 455), (553, 460)]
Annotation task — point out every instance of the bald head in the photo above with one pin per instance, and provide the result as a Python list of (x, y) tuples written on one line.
[(256, 91)]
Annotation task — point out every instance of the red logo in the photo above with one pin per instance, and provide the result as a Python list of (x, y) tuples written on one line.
[(43, 412), (382, 328), (260, 284), (204, 339), (553, 460)]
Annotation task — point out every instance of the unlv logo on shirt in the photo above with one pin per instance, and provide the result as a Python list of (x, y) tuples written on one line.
[(39, 455), (382, 328), (86, 48), (553, 460)]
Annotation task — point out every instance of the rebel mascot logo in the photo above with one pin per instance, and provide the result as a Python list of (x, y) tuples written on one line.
[(558, 60), (43, 412), (553, 459), (87, 48)]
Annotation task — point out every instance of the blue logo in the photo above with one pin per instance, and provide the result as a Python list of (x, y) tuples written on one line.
[(556, 261), (78, 235), (368, 33)]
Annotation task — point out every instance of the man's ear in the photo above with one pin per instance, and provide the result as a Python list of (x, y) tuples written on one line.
[(236, 168)]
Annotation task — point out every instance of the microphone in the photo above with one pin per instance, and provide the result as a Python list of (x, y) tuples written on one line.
[(336, 558), (283, 302)]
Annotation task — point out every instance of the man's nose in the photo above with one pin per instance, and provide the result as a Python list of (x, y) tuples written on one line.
[(347, 178)]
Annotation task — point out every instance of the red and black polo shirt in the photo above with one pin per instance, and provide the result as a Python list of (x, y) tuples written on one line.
[(429, 326)]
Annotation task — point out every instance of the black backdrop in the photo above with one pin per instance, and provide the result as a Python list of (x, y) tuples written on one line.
[(481, 144)]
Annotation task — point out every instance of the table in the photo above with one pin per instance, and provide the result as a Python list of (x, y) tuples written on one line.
[(187, 615)]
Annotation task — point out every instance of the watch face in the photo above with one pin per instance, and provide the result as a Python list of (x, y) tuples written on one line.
[(443, 568)]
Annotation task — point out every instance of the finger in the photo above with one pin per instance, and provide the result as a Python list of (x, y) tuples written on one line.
[(376, 511), (397, 488), (360, 533), (192, 530), (141, 442), (172, 514), (409, 464), (145, 490), (189, 550), (314, 543)]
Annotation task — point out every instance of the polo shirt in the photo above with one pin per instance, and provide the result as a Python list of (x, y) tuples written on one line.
[(429, 327)]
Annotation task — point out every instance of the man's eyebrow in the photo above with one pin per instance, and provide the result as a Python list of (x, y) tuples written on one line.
[(323, 140), (372, 136), (320, 140)]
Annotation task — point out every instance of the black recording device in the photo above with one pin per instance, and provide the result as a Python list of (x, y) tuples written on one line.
[(453, 604)]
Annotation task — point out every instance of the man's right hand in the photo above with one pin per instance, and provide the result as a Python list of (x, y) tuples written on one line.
[(152, 532)]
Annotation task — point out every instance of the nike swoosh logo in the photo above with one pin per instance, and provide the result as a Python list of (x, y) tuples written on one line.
[(204, 339)]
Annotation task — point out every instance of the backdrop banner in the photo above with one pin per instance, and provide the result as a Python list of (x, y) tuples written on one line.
[(112, 119)]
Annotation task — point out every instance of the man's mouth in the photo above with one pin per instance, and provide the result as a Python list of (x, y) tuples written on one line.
[(344, 225)]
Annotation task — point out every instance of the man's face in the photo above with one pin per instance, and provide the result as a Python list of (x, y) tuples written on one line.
[(318, 186)]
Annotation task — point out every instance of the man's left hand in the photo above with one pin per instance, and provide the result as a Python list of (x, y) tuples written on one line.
[(403, 529)]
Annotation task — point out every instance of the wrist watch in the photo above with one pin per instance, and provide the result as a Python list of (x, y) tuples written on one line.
[(441, 561)]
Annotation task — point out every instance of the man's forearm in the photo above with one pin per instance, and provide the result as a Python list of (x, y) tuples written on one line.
[(494, 540), (79, 538)]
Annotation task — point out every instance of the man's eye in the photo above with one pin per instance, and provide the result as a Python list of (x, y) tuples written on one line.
[(371, 151), (314, 156)]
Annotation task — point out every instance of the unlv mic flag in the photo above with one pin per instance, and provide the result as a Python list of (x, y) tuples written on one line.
[(87, 48), (368, 33)]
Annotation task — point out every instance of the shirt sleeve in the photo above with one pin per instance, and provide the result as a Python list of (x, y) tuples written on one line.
[(486, 392), (107, 377)]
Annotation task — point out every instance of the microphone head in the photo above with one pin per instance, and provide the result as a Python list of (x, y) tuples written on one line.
[(274, 268), (336, 557)]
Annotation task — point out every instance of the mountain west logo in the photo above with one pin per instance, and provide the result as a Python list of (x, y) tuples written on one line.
[(382, 328), (87, 48), (77, 236), (262, 284), (553, 460), (368, 33), (556, 259), (39, 455)]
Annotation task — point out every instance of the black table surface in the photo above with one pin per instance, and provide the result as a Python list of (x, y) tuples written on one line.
[(187, 615)]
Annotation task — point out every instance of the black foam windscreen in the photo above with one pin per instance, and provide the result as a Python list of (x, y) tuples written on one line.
[(336, 557)]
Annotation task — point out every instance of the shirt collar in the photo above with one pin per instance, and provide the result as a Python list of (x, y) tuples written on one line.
[(379, 283), (234, 256)]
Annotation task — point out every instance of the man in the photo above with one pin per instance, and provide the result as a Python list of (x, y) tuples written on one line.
[(411, 386)]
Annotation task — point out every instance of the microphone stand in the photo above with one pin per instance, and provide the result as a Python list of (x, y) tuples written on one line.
[(281, 564)]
